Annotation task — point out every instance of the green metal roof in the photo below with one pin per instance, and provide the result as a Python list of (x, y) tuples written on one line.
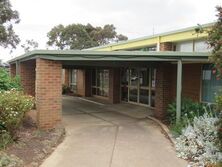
[(77, 55)]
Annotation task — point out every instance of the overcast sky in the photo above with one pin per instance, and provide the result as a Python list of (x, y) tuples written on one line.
[(133, 18)]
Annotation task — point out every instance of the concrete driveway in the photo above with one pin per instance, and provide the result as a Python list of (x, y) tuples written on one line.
[(102, 135)]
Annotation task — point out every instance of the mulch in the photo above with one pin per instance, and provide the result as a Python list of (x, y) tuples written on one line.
[(33, 145)]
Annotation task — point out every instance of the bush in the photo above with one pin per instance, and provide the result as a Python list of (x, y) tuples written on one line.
[(7, 83), (189, 110), (66, 89), (219, 109), (198, 142), (13, 106), (9, 161)]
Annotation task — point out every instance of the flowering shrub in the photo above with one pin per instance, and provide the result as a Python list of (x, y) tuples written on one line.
[(13, 106), (198, 141)]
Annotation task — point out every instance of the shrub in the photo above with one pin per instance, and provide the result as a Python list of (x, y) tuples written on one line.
[(7, 83), (189, 110), (9, 161), (66, 89), (198, 141), (13, 106), (218, 100)]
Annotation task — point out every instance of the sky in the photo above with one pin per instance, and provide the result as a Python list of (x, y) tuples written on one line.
[(133, 18)]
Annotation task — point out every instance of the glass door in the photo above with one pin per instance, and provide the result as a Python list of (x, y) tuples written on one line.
[(133, 86), (138, 85), (100, 82), (144, 84)]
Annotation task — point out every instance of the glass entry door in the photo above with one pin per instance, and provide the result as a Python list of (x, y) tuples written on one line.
[(138, 85), (100, 82)]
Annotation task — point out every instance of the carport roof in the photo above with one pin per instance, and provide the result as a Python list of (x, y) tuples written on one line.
[(77, 55)]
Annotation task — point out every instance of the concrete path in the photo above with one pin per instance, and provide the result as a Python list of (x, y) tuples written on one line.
[(100, 136)]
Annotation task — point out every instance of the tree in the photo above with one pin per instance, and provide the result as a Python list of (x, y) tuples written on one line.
[(78, 36), (8, 17), (215, 42), (29, 45)]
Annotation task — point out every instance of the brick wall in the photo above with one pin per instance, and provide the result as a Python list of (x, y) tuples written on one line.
[(12, 70), (48, 92), (166, 46), (27, 75), (163, 89), (81, 82), (191, 81)]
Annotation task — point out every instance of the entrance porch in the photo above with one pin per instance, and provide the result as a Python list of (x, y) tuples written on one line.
[(152, 79)]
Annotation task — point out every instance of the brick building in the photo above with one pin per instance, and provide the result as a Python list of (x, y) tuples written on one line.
[(151, 71)]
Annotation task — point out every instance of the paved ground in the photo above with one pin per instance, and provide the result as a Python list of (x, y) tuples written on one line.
[(99, 136)]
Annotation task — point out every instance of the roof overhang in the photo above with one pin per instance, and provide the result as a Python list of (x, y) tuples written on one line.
[(77, 55)]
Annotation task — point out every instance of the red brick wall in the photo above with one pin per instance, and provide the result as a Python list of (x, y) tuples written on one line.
[(114, 85), (166, 46), (12, 70), (27, 75), (191, 81), (163, 89), (48, 92), (81, 82)]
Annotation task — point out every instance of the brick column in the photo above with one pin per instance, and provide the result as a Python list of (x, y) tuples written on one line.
[(84, 82), (163, 90), (12, 70), (166, 46), (48, 92), (27, 75), (114, 85), (80, 82)]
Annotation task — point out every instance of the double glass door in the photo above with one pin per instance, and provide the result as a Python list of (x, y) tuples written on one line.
[(138, 85)]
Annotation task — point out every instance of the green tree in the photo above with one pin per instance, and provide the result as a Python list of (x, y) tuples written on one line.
[(29, 45), (215, 42), (78, 36), (8, 17)]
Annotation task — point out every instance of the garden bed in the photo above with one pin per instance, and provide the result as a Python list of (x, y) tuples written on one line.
[(32, 146)]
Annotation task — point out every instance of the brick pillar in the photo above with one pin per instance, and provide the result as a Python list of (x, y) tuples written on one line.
[(166, 46), (81, 82), (84, 82), (114, 85), (27, 75), (48, 92), (12, 70), (163, 90), (66, 77)]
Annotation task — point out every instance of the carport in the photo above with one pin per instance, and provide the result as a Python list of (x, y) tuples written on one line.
[(41, 76)]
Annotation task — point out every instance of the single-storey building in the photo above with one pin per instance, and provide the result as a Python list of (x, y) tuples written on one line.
[(151, 71)]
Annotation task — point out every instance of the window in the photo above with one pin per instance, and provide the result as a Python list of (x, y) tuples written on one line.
[(73, 80), (201, 46), (100, 82), (192, 46), (149, 48), (210, 84), (185, 46)]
